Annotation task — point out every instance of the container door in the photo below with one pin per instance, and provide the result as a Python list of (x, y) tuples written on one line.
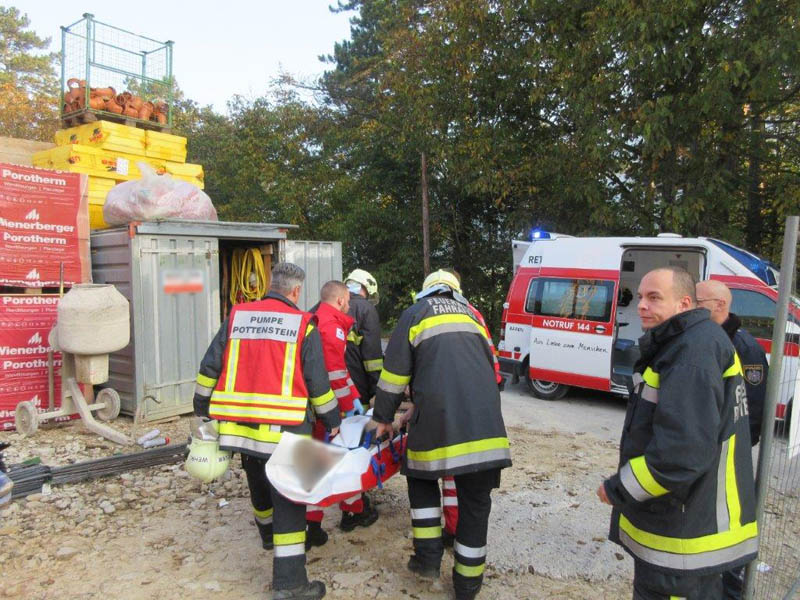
[(322, 261), (179, 310), (572, 330)]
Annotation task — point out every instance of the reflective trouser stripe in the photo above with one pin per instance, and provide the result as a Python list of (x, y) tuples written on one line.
[(448, 483), (289, 550), (424, 533), (284, 539), (373, 365), (450, 501), (263, 517), (467, 571), (468, 552), (426, 513)]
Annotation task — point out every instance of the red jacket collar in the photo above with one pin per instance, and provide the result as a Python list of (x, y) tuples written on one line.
[(326, 312)]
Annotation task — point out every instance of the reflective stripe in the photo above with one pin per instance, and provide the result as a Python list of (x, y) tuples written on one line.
[(373, 365), (254, 399), (686, 561), (289, 550), (240, 443), (735, 368), (288, 369), (325, 403), (466, 571), (206, 381), (433, 326), (631, 484), (350, 382), (460, 461), (295, 537), (323, 399), (352, 336), (450, 501), (426, 513), (651, 378), (650, 394), (342, 392), (731, 487), (645, 477), (469, 552), (689, 546), (723, 518), (425, 533), (448, 484), (258, 414), (459, 449), (309, 328), (637, 379), (262, 433), (263, 517), (393, 384), (332, 375), (233, 357), (202, 390)]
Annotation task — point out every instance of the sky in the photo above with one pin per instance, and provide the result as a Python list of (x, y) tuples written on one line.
[(221, 48)]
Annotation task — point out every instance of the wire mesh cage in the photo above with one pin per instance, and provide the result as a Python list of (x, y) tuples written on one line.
[(111, 72)]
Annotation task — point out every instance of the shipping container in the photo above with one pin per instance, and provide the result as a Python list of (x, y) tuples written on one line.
[(173, 274)]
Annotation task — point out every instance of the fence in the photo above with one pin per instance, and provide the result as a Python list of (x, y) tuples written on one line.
[(776, 573)]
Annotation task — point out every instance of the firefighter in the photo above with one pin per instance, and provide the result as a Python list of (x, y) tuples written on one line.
[(716, 297), (262, 374), (334, 323), (364, 353), (683, 497), (441, 351)]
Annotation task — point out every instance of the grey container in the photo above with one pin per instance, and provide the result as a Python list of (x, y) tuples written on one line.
[(169, 272)]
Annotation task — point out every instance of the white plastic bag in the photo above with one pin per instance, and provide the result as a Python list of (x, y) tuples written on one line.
[(154, 197)]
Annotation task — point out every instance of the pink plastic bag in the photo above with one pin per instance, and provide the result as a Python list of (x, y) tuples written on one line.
[(156, 197)]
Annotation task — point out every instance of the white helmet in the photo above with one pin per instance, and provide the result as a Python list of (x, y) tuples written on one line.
[(206, 461), (368, 281)]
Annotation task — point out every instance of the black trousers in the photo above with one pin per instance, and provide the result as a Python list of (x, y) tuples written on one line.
[(474, 505), (733, 584), (288, 523), (649, 584)]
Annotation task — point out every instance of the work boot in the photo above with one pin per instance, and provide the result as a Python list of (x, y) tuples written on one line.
[(315, 536), (265, 531), (448, 538), (363, 519), (415, 565), (313, 590)]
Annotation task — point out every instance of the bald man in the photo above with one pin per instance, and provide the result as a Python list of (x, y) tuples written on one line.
[(716, 297), (683, 497)]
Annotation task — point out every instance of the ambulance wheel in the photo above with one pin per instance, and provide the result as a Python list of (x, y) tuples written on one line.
[(110, 398), (546, 390), (26, 418)]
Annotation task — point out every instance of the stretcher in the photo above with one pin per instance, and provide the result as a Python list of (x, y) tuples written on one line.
[(308, 471)]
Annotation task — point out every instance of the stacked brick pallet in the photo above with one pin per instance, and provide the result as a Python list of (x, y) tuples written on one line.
[(109, 153), (44, 236)]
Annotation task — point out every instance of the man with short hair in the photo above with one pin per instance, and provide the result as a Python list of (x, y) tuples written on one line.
[(334, 323), (716, 297), (683, 497), (262, 374)]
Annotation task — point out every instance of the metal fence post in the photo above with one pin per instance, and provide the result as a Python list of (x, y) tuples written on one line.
[(773, 382)]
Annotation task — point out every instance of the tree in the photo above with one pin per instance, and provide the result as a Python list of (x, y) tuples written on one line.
[(28, 84)]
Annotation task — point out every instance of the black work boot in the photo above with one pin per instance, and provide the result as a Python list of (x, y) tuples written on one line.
[(315, 535), (313, 590), (265, 531), (448, 538), (428, 571), (363, 519)]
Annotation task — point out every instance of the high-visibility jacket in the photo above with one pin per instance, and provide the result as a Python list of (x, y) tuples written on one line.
[(364, 356), (334, 326), (442, 352), (684, 497), (262, 374)]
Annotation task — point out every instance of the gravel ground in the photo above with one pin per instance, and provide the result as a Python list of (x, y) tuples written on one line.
[(156, 532)]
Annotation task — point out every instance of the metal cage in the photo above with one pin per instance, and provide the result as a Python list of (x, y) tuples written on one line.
[(104, 56)]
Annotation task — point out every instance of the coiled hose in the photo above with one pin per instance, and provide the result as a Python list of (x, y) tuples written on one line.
[(249, 280)]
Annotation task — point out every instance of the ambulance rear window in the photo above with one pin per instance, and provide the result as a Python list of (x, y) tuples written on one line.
[(583, 299)]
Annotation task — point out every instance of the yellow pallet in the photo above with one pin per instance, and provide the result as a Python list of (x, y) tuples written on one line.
[(165, 146), (98, 190), (193, 180), (104, 135), (185, 170), (96, 162)]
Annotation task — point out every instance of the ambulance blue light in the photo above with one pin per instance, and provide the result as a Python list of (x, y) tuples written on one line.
[(539, 234), (757, 265)]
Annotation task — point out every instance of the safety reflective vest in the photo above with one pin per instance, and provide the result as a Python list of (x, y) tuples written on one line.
[(262, 379)]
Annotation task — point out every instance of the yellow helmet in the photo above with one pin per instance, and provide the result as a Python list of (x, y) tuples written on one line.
[(206, 461), (442, 277), (364, 278)]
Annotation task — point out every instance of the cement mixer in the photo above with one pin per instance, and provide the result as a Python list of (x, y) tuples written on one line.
[(93, 321)]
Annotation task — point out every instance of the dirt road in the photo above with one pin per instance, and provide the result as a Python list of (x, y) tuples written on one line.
[(156, 533)]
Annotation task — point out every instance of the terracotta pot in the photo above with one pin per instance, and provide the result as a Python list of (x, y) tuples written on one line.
[(114, 106), (121, 100), (104, 93), (146, 110), (135, 102), (130, 112), (97, 103), (161, 118)]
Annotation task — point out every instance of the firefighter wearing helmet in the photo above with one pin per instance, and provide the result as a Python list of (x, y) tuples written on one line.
[(364, 355), (442, 352)]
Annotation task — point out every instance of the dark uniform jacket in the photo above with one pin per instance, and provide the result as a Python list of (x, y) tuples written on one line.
[(754, 367), (261, 440), (684, 498), (364, 355), (443, 353)]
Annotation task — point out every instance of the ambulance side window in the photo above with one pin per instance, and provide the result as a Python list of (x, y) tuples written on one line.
[(584, 299), (756, 311), (530, 299)]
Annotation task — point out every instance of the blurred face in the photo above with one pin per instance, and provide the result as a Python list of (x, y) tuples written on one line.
[(658, 301)]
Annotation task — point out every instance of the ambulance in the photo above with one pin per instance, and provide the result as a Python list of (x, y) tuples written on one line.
[(570, 317)]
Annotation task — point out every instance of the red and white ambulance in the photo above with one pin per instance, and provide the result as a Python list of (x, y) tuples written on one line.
[(570, 318)]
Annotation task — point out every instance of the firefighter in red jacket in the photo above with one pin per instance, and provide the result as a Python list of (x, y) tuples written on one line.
[(262, 375), (334, 324)]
